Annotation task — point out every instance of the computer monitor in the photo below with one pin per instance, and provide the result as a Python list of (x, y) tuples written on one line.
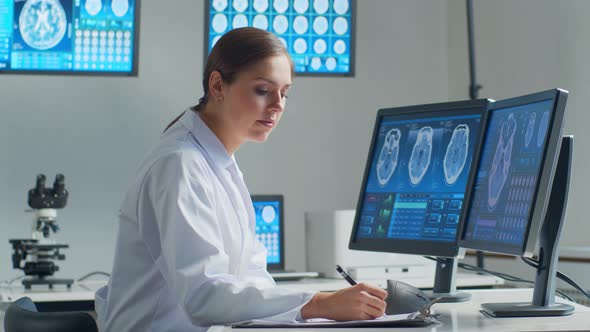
[(515, 184), (418, 169), (69, 36), (268, 210), (318, 34)]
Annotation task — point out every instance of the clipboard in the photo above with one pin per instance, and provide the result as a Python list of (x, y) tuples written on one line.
[(403, 320)]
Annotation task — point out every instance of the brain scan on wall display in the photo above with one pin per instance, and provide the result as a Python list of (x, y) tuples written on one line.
[(318, 34)]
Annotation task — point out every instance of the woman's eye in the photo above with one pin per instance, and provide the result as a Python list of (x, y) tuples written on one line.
[(261, 92)]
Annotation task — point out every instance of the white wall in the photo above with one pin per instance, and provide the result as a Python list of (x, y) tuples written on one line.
[(526, 46), (95, 129)]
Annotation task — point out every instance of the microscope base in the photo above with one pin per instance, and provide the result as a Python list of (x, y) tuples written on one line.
[(47, 281)]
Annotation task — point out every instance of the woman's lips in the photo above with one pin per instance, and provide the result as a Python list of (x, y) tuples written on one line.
[(267, 123)]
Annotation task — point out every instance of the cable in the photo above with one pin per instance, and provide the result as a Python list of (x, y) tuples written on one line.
[(8, 282), (560, 275), (86, 276), (501, 275)]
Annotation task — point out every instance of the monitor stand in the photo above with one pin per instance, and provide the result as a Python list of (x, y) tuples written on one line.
[(445, 283), (544, 293)]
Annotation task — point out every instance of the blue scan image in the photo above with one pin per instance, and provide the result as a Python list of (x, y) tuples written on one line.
[(421, 152), (42, 23), (120, 7), (542, 128), (502, 160), (93, 7), (456, 154), (528, 136), (388, 157)]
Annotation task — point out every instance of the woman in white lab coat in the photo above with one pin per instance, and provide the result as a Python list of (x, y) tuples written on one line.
[(186, 254)]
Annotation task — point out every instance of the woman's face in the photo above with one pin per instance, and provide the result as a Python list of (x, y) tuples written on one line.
[(253, 104)]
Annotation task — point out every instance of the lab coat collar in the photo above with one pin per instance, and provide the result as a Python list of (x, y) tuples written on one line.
[(208, 140)]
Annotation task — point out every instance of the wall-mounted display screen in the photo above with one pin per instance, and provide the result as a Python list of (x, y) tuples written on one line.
[(68, 36), (319, 34)]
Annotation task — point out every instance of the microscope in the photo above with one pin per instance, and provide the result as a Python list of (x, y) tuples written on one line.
[(35, 255)]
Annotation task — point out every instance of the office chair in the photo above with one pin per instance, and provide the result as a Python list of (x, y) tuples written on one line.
[(22, 316)]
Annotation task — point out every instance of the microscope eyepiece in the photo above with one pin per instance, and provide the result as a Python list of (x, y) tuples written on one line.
[(40, 185), (59, 185)]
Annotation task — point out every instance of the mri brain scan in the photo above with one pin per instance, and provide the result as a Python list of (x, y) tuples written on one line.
[(42, 23), (542, 128), (120, 7), (93, 7), (528, 136), (388, 157), (501, 162), (420, 158), (456, 154)]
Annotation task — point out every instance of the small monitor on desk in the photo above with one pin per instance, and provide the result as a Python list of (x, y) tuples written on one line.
[(270, 231), (413, 190), (520, 192)]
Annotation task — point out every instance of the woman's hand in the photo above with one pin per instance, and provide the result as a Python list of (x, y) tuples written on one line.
[(361, 301)]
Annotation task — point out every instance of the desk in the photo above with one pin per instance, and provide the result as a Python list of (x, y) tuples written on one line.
[(79, 297), (465, 316)]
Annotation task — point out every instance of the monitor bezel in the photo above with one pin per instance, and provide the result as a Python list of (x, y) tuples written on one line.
[(132, 73), (275, 198), (547, 172), (350, 73), (417, 247)]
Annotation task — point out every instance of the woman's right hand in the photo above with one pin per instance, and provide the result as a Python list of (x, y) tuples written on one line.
[(361, 301)]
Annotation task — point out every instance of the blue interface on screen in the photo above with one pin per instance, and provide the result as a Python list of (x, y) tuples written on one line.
[(268, 229), (317, 33), (508, 173), (67, 35), (418, 177)]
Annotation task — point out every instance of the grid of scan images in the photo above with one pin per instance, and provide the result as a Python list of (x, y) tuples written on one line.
[(317, 33)]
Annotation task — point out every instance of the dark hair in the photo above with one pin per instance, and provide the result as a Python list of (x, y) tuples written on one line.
[(235, 51)]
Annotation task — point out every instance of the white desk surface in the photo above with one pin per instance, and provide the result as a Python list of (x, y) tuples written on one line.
[(465, 316)]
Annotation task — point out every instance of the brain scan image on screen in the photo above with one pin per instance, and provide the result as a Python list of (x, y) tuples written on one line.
[(240, 21), (268, 214), (280, 24), (318, 34), (321, 6), (456, 155), (42, 23), (542, 128), (501, 161), (120, 7), (421, 154), (220, 5), (528, 136), (93, 7), (300, 24), (219, 23), (301, 6), (281, 6), (388, 157), (341, 6)]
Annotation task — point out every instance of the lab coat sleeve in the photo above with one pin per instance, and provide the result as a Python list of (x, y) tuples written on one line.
[(258, 273), (178, 222)]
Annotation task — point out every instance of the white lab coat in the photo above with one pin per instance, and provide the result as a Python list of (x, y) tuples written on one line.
[(186, 254)]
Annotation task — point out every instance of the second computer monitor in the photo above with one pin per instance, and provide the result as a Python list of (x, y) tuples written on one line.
[(416, 175), (515, 174)]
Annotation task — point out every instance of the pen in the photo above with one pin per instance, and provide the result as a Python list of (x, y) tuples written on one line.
[(345, 275)]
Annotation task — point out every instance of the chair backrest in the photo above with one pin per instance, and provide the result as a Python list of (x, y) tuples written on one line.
[(22, 316)]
